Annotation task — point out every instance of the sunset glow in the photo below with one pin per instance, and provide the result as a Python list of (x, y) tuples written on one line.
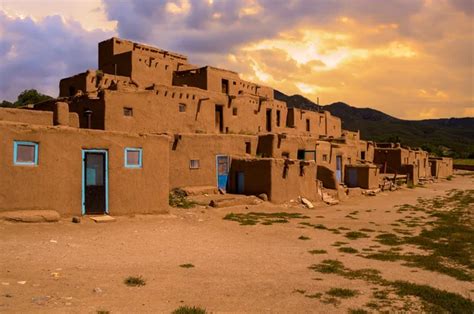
[(409, 58)]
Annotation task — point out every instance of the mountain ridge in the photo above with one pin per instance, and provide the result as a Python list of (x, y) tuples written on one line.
[(452, 137)]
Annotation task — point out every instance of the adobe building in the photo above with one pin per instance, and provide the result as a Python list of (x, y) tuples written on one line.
[(119, 138)]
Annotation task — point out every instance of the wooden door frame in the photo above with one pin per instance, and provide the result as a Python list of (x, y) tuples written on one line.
[(106, 178)]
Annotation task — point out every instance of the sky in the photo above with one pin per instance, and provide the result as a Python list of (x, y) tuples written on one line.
[(412, 59)]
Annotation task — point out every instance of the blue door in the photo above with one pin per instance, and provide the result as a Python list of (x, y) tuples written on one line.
[(351, 178), (222, 164), (339, 168)]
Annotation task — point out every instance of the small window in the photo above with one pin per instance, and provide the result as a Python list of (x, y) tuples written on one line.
[(301, 154), (25, 153), (285, 155), (278, 118), (308, 125), (248, 148), (133, 157), (362, 155), (234, 111), (182, 107), (128, 112), (349, 160), (194, 164), (325, 157)]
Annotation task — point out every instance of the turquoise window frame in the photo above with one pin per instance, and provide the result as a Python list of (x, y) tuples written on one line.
[(140, 158), (15, 150)]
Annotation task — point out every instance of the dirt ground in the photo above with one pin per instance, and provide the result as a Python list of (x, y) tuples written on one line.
[(80, 268)]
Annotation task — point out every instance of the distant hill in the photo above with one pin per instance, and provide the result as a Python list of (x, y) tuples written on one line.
[(444, 137)]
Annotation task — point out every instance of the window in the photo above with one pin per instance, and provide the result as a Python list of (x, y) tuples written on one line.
[(325, 157), (278, 118), (362, 155), (248, 148), (308, 125), (194, 164), (234, 111), (285, 154), (349, 160), (133, 157), (182, 107), (301, 154), (128, 112), (225, 86), (25, 153)]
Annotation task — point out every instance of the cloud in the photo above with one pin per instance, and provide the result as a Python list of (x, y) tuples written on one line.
[(37, 54)]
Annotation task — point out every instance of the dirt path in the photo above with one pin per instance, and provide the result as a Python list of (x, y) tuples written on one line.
[(259, 268)]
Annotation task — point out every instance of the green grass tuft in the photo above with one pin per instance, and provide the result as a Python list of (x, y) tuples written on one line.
[(317, 252), (186, 265), (134, 281), (342, 293), (189, 310), (348, 250), (253, 218), (354, 235)]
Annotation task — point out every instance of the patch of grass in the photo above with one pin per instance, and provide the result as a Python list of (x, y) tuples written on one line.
[(317, 252), (348, 250), (439, 300), (357, 311), (354, 235), (299, 291), (189, 310), (177, 198), (351, 217), (342, 293), (314, 295), (343, 228), (316, 226), (304, 238), (366, 230), (134, 281), (186, 265), (449, 178), (389, 239), (339, 243), (382, 295), (253, 218), (448, 241)]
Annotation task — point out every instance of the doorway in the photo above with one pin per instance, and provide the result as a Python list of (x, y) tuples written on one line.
[(222, 165), (239, 182), (339, 168), (269, 120), (220, 118), (94, 182)]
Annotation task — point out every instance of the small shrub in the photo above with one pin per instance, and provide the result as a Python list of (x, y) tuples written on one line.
[(348, 250), (342, 293), (186, 265), (177, 198), (354, 235), (304, 238), (134, 281), (189, 310), (317, 252)]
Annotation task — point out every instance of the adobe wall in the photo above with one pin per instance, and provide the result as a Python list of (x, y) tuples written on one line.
[(56, 182), (390, 160), (285, 145), (205, 148), (89, 82), (281, 179), (441, 167), (35, 117), (26, 116), (367, 177), (77, 107)]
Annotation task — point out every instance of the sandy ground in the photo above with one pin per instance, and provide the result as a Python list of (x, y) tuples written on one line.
[(55, 268)]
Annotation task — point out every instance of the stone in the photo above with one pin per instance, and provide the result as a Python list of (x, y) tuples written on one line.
[(307, 203), (263, 197), (30, 216), (102, 219), (76, 219), (97, 290)]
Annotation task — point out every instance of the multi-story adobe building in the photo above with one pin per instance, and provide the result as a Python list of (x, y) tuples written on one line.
[(119, 138)]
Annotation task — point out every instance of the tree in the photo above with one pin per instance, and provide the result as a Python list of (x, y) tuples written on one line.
[(28, 96)]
